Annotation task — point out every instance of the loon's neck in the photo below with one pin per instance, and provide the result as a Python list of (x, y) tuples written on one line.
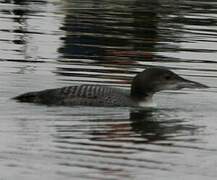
[(141, 94), (140, 91), (144, 100)]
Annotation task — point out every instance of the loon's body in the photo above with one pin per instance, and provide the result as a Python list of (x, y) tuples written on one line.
[(82, 95), (143, 87)]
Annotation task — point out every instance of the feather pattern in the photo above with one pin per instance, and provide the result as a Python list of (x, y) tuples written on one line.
[(86, 94)]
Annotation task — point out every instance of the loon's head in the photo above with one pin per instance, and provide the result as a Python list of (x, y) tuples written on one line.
[(153, 80)]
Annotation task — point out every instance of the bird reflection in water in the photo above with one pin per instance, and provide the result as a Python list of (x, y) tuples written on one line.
[(141, 126), (109, 141)]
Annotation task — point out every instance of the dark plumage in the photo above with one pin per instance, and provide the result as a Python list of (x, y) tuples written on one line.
[(144, 85)]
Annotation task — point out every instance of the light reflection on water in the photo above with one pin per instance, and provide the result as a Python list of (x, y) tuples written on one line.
[(46, 44)]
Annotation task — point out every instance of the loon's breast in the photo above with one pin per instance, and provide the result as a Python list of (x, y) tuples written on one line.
[(84, 95)]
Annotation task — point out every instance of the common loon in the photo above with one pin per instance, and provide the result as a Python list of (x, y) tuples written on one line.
[(144, 85)]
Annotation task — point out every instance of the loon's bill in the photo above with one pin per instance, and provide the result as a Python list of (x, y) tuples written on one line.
[(144, 85)]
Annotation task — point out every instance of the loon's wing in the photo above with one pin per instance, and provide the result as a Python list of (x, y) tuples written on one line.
[(93, 95), (89, 95)]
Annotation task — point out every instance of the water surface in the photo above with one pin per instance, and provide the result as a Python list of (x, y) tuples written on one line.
[(47, 44)]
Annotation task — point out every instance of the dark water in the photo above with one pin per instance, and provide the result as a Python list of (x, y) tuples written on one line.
[(46, 44)]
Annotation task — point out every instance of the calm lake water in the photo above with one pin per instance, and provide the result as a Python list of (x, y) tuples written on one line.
[(47, 44)]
